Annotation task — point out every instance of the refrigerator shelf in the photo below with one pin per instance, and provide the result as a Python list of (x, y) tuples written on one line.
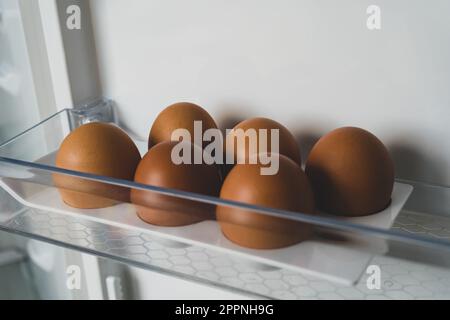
[(314, 257), (200, 251)]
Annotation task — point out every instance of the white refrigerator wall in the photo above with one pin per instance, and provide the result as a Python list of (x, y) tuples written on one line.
[(18, 102), (311, 64)]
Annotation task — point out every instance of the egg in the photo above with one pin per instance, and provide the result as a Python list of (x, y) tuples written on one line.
[(287, 144), (157, 168), (101, 149), (179, 116), (289, 189), (351, 172)]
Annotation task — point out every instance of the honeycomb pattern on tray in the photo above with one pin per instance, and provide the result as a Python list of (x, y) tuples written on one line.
[(399, 279)]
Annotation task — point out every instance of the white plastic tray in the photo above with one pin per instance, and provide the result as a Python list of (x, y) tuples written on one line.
[(339, 261)]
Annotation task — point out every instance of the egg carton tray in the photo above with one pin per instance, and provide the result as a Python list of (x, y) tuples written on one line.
[(26, 168), (338, 261)]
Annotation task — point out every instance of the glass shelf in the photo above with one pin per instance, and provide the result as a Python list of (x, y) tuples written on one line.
[(412, 256)]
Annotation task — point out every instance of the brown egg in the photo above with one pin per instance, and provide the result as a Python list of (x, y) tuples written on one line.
[(288, 146), (158, 169), (289, 189), (179, 116), (351, 173), (101, 149)]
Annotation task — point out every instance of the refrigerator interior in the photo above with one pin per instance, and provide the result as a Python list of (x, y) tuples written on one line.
[(311, 65)]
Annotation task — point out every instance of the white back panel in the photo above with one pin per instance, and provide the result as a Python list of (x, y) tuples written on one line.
[(311, 64)]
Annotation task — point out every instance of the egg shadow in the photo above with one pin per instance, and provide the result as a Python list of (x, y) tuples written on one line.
[(308, 135), (228, 118), (227, 121), (306, 141), (415, 164)]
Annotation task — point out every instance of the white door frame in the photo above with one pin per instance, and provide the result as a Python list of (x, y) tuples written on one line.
[(56, 88)]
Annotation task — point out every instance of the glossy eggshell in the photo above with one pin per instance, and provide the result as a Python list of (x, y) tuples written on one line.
[(351, 172), (179, 116), (288, 145), (289, 189), (158, 169), (101, 149)]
